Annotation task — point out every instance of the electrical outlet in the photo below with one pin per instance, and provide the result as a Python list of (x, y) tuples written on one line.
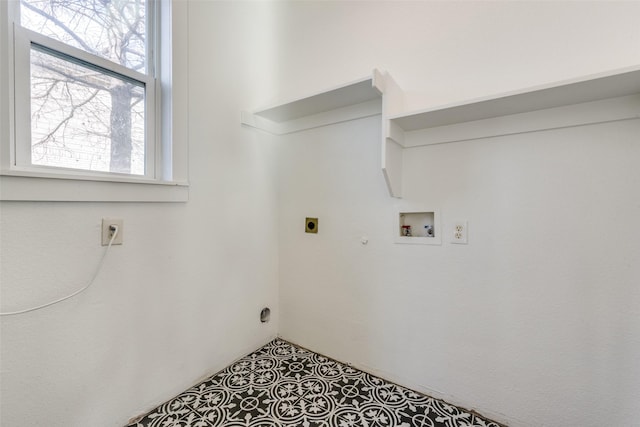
[(107, 233), (311, 225), (459, 233)]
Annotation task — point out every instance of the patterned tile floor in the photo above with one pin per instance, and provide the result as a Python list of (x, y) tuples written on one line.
[(284, 385)]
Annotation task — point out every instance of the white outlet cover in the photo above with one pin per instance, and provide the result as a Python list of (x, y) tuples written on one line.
[(460, 232), (106, 233)]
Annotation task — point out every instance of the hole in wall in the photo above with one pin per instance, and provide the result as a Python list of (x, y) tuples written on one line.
[(417, 224), (265, 315)]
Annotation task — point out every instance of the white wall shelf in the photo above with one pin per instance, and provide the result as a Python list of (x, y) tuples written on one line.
[(600, 98), (354, 100), (576, 91), (597, 98), (377, 94)]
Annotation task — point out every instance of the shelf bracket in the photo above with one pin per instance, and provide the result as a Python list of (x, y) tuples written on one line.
[(377, 94)]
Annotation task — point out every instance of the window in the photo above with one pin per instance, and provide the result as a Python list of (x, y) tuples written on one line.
[(84, 84), (84, 117)]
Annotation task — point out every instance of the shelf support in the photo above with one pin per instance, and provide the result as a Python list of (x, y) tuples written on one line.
[(377, 94)]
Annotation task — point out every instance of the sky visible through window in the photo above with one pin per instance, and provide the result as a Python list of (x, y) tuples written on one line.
[(82, 117)]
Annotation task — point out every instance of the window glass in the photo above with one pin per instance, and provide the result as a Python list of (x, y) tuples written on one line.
[(112, 29), (83, 117)]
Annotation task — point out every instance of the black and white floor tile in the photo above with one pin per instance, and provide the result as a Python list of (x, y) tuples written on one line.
[(283, 385)]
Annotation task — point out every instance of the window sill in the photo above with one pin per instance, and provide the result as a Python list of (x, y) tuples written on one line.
[(23, 186)]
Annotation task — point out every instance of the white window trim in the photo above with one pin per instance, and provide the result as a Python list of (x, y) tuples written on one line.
[(23, 39), (170, 159)]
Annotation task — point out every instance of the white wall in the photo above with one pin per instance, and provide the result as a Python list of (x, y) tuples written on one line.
[(181, 298), (535, 321), (534, 328)]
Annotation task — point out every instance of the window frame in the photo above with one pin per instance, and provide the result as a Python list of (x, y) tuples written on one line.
[(166, 171)]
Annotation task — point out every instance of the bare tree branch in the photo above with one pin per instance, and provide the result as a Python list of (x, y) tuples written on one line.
[(61, 25), (66, 119)]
